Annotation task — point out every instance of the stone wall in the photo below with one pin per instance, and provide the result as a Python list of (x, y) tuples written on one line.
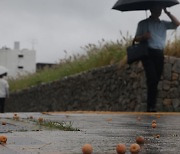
[(109, 88)]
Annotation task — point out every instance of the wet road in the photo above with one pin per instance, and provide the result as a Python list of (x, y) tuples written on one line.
[(103, 130)]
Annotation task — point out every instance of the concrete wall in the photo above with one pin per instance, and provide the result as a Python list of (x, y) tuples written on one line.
[(109, 88)]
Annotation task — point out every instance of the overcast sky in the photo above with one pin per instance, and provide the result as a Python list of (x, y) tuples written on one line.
[(52, 26)]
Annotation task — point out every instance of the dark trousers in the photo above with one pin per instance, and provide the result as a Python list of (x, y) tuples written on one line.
[(2, 102), (153, 66)]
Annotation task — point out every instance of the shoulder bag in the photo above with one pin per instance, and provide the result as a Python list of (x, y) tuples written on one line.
[(136, 52)]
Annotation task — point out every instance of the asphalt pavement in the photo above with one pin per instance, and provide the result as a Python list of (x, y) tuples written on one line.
[(103, 130)]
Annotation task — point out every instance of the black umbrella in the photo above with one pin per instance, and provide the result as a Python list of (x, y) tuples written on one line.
[(133, 5)]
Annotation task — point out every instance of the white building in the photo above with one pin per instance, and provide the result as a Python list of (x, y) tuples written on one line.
[(18, 61)]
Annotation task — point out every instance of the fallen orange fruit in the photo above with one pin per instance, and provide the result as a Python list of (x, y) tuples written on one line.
[(154, 125), (3, 139), (3, 123), (31, 117), (87, 149), (140, 140), (15, 117), (154, 121), (157, 136), (121, 149), (134, 148), (40, 120), (158, 116)]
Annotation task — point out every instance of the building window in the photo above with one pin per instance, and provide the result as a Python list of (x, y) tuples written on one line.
[(21, 56), (20, 67)]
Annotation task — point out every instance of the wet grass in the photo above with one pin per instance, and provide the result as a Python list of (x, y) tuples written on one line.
[(65, 126)]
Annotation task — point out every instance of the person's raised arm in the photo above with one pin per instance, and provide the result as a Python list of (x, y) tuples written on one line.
[(172, 17)]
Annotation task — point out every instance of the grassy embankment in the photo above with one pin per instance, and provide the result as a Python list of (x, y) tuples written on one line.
[(104, 53)]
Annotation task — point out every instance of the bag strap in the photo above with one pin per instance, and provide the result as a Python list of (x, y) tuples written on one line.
[(133, 42)]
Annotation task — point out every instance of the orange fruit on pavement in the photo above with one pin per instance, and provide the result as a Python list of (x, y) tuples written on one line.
[(40, 120), (15, 117), (154, 125), (3, 123), (31, 117), (87, 149), (110, 119), (157, 136), (158, 116), (134, 148), (3, 139), (140, 140), (121, 149), (154, 121)]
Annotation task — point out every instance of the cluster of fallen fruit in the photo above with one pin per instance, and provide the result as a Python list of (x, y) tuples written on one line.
[(121, 148), (40, 121), (3, 138)]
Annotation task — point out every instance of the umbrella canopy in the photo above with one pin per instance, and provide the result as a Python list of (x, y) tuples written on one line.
[(3, 70), (133, 5)]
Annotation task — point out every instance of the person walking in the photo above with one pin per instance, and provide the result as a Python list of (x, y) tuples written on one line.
[(153, 31), (4, 92)]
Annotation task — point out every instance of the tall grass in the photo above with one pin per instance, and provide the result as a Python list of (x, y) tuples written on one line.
[(104, 53), (173, 47)]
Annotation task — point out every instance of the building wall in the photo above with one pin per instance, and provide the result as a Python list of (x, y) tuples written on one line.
[(109, 88), (18, 61), (27, 60)]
